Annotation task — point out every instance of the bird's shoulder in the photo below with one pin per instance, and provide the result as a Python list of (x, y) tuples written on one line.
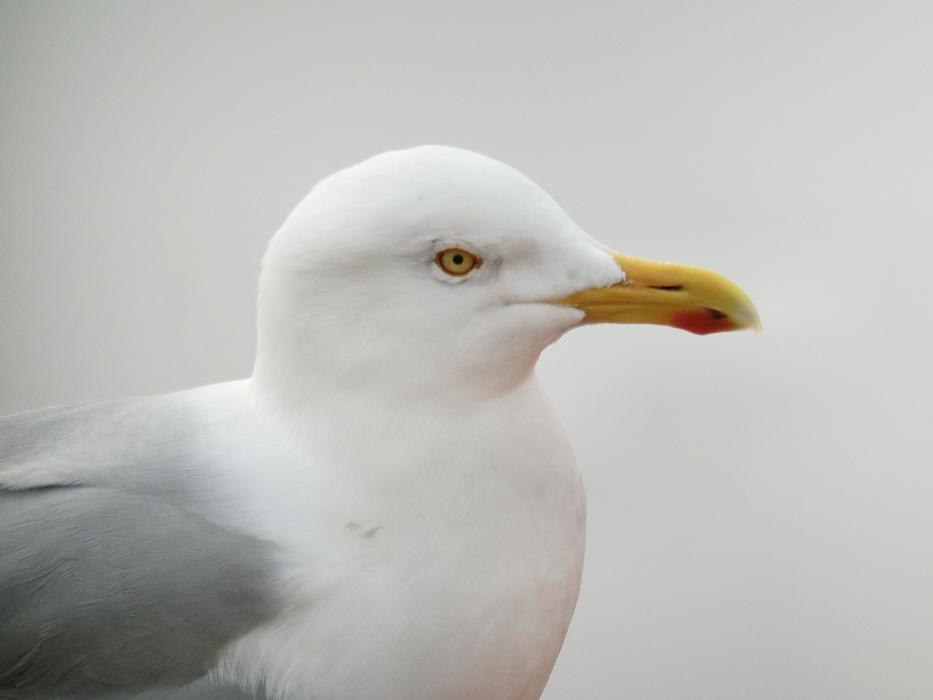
[(112, 578), (126, 443)]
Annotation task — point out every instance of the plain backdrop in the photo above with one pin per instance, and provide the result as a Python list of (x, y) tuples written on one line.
[(760, 507)]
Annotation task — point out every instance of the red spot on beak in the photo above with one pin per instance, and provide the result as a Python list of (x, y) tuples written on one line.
[(702, 321)]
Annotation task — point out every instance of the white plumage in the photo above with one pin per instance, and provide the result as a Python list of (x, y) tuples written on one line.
[(391, 468)]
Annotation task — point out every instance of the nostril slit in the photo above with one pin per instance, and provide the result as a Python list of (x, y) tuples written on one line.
[(714, 314), (669, 288)]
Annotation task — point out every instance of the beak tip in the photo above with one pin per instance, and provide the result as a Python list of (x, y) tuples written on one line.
[(753, 322)]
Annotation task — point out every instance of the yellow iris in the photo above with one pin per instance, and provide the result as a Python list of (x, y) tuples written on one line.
[(456, 261)]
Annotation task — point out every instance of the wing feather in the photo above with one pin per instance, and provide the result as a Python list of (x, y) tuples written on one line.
[(113, 585)]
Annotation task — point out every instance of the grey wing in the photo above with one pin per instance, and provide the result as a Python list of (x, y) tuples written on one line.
[(106, 592)]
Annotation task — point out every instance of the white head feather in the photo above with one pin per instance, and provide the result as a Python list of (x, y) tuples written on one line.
[(350, 295)]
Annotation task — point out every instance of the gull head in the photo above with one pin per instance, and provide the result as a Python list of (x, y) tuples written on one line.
[(433, 267)]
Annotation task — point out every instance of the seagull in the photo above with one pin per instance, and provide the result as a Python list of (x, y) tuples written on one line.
[(387, 508)]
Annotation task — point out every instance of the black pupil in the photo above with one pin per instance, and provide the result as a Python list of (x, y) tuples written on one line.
[(458, 259)]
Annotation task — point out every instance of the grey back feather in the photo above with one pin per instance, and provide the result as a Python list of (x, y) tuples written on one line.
[(110, 584)]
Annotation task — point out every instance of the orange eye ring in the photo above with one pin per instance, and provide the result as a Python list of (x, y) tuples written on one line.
[(457, 261)]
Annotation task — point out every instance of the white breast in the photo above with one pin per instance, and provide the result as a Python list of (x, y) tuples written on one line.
[(438, 557)]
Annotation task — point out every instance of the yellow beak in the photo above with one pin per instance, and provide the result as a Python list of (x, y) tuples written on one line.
[(666, 294)]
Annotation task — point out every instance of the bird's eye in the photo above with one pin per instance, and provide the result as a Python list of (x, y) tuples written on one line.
[(456, 261)]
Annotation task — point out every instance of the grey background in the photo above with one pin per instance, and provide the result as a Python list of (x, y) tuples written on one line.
[(760, 507)]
